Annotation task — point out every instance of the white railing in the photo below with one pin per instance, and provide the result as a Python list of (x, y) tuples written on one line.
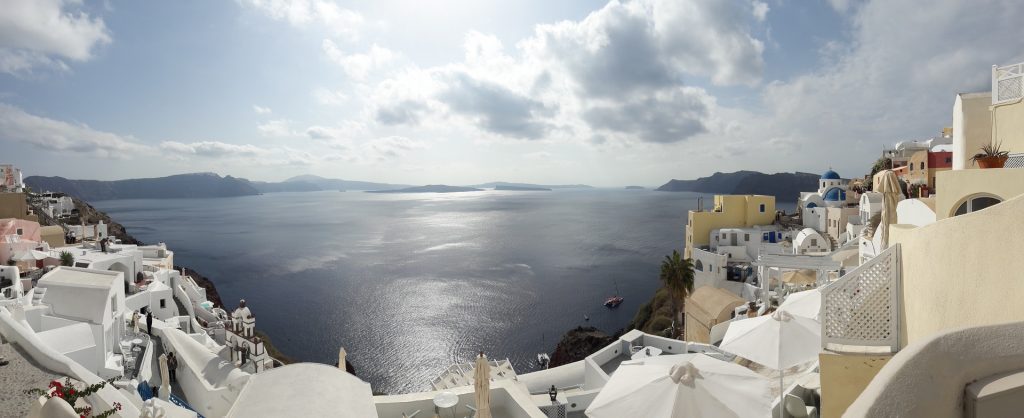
[(1007, 83), (861, 308)]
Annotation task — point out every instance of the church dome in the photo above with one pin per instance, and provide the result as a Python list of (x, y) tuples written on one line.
[(830, 175), (835, 194)]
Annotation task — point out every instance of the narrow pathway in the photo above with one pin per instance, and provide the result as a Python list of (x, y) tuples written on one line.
[(20, 374)]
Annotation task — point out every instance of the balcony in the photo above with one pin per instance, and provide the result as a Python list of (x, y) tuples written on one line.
[(860, 310)]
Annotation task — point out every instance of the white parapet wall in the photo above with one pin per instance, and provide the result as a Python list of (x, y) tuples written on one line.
[(937, 369)]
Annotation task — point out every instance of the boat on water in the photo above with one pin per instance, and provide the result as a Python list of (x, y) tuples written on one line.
[(613, 302), (543, 360)]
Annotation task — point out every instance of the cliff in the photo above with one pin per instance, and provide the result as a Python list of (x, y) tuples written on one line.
[(194, 185), (579, 343), (786, 187)]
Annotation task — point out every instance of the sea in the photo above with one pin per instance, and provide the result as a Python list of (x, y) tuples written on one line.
[(410, 284)]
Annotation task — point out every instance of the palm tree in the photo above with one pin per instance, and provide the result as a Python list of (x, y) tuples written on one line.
[(677, 277), (67, 259)]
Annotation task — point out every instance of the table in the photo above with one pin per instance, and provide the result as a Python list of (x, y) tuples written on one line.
[(645, 353), (446, 400)]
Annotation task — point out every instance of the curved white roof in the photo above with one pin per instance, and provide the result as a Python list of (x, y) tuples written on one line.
[(305, 390), (804, 234)]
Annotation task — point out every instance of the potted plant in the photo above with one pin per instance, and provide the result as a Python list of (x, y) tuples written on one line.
[(991, 156), (67, 259)]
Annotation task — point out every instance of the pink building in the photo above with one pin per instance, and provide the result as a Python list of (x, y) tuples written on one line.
[(18, 235)]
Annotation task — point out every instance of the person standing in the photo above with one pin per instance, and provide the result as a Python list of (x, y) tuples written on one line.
[(172, 366), (135, 321), (149, 322)]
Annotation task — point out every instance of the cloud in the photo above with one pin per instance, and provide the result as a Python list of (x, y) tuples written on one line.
[(53, 135), (330, 97), (391, 147), (276, 128), (625, 62), (260, 110), (495, 108), (666, 117), (214, 149), (890, 82), (327, 14), (42, 33), (359, 66)]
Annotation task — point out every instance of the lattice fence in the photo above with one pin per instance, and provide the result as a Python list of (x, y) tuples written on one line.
[(861, 307), (1015, 161), (554, 411), (1007, 83)]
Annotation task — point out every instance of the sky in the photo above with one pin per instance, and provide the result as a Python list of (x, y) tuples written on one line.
[(629, 92)]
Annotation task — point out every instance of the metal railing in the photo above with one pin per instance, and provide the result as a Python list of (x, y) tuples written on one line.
[(862, 307)]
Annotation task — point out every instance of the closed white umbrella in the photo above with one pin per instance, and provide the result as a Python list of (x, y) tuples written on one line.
[(780, 341), (482, 387), (341, 358), (887, 184), (683, 386), (806, 304), (165, 378)]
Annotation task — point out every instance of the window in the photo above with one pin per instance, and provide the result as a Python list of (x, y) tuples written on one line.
[(20, 231), (163, 303), (746, 237), (814, 242), (698, 266), (949, 160), (975, 204), (762, 208), (922, 165)]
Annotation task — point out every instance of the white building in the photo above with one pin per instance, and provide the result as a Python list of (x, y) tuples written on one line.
[(809, 241), (80, 314)]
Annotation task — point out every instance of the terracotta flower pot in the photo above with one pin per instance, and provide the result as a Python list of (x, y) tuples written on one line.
[(992, 162)]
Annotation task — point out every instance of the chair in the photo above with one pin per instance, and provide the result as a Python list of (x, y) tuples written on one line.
[(412, 415), (795, 407), (473, 409)]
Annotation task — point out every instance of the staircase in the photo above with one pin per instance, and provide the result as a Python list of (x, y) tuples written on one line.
[(833, 244), (37, 295)]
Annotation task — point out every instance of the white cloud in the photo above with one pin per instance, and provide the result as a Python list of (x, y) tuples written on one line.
[(359, 66), (567, 80), (391, 147), (214, 149), (329, 97), (328, 14), (276, 128), (42, 33), (892, 81), (260, 110), (53, 135)]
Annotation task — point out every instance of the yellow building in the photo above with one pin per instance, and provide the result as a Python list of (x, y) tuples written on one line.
[(730, 211), (923, 166), (957, 272), (13, 205)]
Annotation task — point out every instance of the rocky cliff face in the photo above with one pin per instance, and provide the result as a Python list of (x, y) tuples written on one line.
[(579, 343)]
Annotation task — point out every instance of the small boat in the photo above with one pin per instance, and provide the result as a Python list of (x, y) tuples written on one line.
[(586, 317), (543, 359), (613, 301)]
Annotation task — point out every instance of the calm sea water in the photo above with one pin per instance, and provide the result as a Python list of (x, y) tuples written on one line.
[(410, 284)]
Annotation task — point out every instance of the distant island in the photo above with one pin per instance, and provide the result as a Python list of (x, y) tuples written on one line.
[(495, 184), (786, 187), (430, 188), (194, 185), (522, 189), (635, 187)]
